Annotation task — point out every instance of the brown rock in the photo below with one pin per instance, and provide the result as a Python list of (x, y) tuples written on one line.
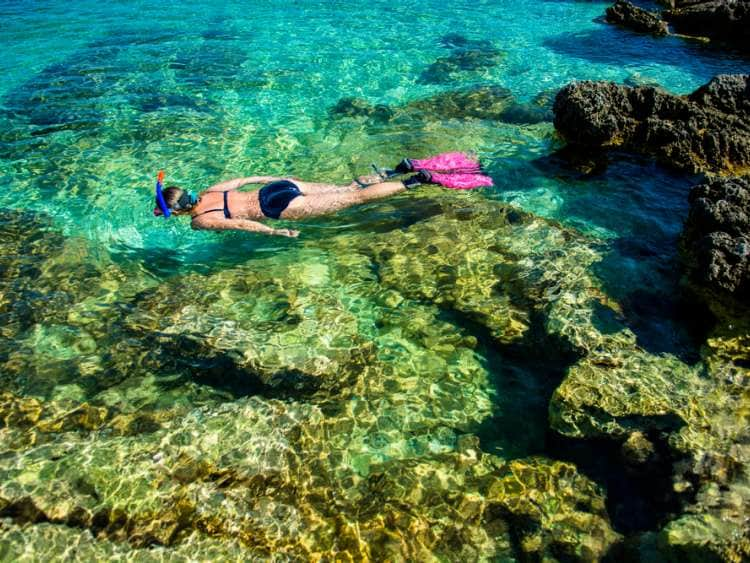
[(707, 131)]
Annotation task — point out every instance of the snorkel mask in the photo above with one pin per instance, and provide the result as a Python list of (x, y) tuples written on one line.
[(160, 196), (187, 200)]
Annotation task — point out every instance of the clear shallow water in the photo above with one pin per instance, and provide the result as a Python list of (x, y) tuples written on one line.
[(97, 97)]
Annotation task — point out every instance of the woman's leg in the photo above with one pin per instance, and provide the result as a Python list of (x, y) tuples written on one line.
[(313, 188), (324, 203)]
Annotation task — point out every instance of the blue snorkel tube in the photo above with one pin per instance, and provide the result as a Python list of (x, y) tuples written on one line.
[(160, 196)]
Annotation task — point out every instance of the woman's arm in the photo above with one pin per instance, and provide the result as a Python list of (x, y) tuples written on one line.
[(222, 224), (239, 182)]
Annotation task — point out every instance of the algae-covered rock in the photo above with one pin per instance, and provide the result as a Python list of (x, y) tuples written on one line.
[(59, 325), (273, 321), (545, 508), (256, 473), (393, 381), (701, 413), (615, 392), (492, 264), (33, 542), (458, 261)]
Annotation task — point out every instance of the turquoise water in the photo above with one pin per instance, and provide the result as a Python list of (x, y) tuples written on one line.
[(97, 97), (208, 93)]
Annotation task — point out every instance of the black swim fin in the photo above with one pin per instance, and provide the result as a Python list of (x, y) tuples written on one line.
[(385, 173)]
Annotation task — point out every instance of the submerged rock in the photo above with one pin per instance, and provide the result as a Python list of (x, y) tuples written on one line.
[(274, 323), (707, 131), (369, 461), (627, 15), (716, 238), (467, 55), (698, 413), (493, 103), (358, 107), (256, 474)]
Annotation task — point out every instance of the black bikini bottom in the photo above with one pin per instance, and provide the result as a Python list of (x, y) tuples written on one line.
[(275, 197)]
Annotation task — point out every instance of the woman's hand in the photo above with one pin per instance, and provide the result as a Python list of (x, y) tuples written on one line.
[(286, 233)]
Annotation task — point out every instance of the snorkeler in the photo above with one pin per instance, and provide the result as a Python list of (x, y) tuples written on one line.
[(222, 207)]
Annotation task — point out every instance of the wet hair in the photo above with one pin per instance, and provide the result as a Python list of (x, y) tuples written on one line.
[(178, 199)]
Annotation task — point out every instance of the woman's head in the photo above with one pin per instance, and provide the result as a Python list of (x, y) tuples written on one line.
[(177, 200)]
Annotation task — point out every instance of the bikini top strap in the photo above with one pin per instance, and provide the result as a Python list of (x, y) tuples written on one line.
[(208, 211), (225, 209)]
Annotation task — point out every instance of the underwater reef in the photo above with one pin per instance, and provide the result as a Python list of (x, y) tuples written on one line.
[(338, 400), (341, 425), (707, 131), (348, 430)]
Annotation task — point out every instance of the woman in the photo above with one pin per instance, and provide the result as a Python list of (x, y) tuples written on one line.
[(221, 207)]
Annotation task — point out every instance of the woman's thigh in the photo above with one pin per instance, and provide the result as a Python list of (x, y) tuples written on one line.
[(313, 188), (319, 204)]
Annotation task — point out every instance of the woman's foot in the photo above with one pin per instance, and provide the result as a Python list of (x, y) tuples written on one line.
[(404, 167), (421, 177), (365, 181)]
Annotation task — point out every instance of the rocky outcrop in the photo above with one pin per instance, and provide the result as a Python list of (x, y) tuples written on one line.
[(627, 15), (722, 20), (707, 131), (716, 239)]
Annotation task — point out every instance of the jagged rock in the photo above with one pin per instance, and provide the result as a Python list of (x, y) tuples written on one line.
[(716, 238), (627, 15), (708, 131), (727, 21), (727, 93)]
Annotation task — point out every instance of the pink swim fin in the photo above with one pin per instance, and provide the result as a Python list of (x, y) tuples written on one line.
[(448, 162), (460, 181)]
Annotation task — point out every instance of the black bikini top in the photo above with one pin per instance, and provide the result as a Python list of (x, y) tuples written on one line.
[(225, 209)]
